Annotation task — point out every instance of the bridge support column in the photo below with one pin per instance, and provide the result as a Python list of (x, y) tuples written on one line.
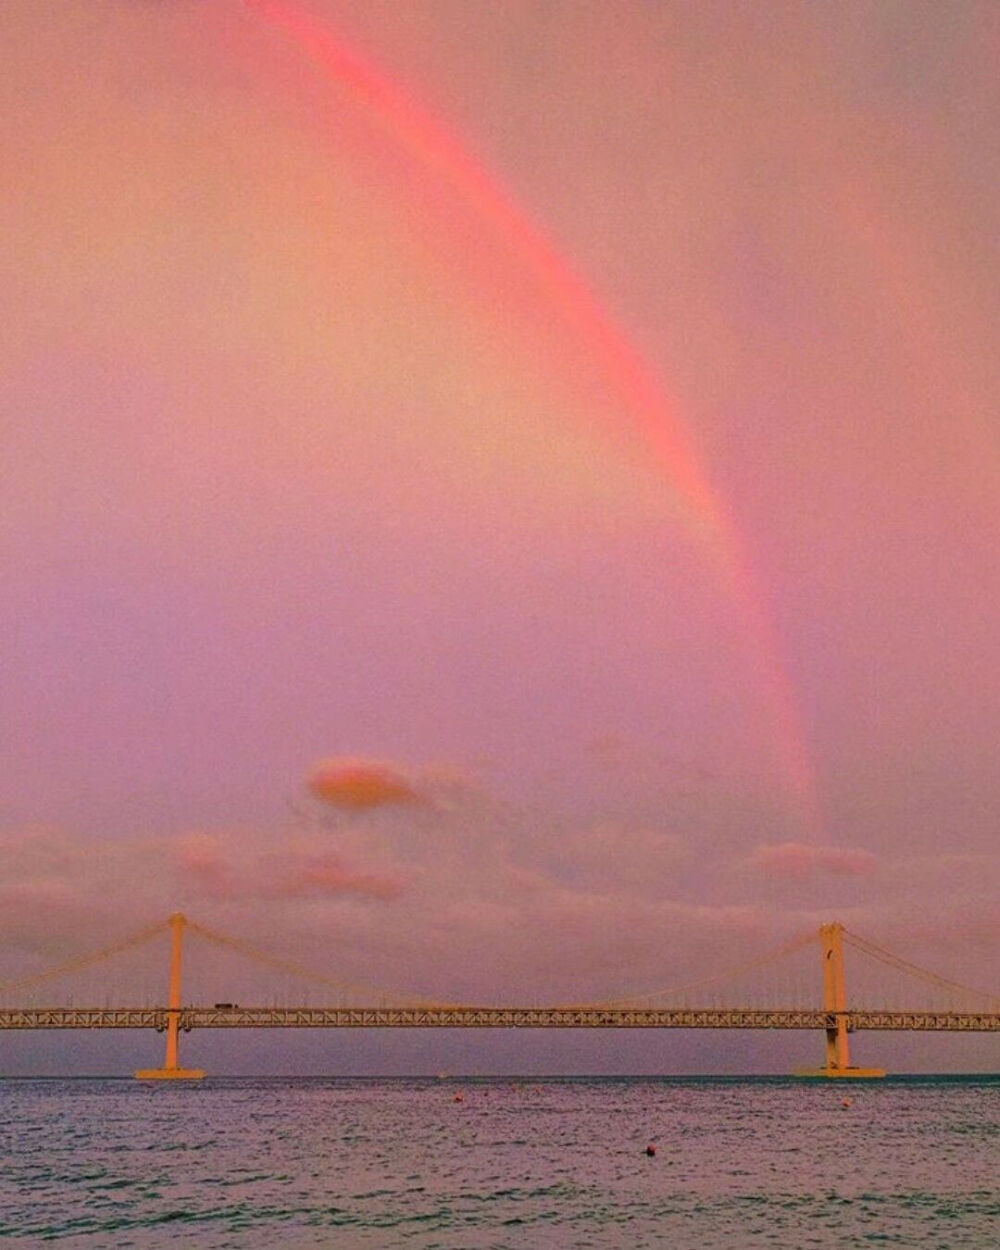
[(834, 996), (171, 1071), (838, 1056)]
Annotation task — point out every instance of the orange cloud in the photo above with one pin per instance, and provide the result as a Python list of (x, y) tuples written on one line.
[(797, 859), (356, 785)]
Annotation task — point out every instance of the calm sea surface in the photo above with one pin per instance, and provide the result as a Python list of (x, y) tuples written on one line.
[(501, 1163)]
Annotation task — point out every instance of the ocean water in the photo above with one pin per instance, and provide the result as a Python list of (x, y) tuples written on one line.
[(499, 1163)]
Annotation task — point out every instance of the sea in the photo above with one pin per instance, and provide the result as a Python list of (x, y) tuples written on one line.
[(498, 1163)]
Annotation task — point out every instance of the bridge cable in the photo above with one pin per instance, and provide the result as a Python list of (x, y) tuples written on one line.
[(903, 965), (86, 961), (298, 970), (789, 947)]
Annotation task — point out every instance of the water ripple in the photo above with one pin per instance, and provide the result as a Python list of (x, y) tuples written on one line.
[(252, 1164)]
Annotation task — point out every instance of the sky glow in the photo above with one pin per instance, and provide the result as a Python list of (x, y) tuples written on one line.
[(482, 479), (641, 399)]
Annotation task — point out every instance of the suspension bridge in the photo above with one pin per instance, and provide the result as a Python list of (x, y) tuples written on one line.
[(960, 1009)]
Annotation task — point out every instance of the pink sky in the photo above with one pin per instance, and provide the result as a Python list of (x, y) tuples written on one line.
[(303, 460)]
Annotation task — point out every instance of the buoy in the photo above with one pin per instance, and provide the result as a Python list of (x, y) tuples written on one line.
[(651, 1150), (847, 1102), (460, 1098)]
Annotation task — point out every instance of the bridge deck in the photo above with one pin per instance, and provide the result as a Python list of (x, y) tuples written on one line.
[(493, 1018)]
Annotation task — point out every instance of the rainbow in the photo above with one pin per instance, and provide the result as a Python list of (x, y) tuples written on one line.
[(438, 152)]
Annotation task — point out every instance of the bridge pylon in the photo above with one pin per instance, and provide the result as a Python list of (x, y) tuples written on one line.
[(171, 1070), (838, 1056)]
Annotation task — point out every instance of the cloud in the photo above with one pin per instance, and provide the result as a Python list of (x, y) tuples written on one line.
[(200, 859), (478, 899), (238, 867), (798, 860), (358, 785), (322, 876), (58, 896), (610, 857)]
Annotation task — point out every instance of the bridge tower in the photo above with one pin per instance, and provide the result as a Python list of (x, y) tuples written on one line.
[(171, 1071), (838, 1057)]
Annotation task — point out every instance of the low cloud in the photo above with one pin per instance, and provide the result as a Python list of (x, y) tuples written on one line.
[(467, 896), (228, 867), (201, 859), (323, 876), (798, 860), (58, 895)]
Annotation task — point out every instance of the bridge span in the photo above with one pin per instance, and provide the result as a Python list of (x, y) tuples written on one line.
[(835, 1019), (188, 1018)]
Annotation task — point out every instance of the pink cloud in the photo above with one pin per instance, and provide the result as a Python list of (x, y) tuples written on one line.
[(201, 860), (324, 876), (797, 859), (235, 868), (462, 912)]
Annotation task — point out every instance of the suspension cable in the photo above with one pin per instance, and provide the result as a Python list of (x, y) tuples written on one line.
[(730, 973), (86, 961), (298, 970), (903, 965)]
